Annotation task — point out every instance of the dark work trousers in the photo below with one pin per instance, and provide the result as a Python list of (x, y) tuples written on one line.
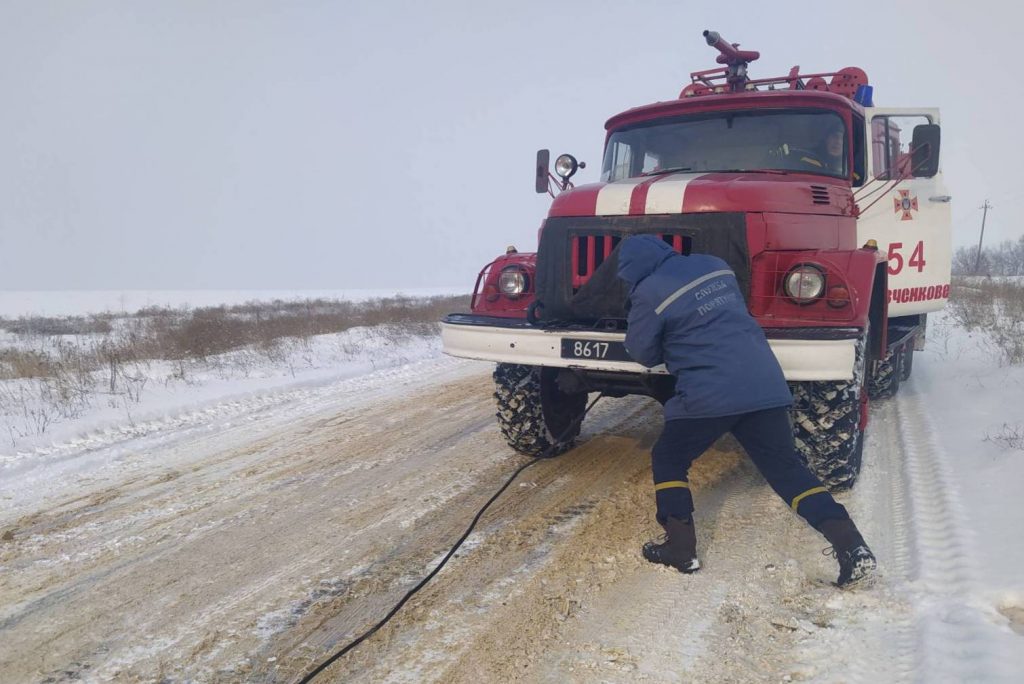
[(767, 438)]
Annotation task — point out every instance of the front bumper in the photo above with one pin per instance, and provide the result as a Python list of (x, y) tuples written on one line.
[(804, 353)]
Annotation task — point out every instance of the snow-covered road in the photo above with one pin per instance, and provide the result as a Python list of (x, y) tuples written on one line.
[(248, 544)]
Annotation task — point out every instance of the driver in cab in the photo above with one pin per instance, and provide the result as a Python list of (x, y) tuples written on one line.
[(829, 155)]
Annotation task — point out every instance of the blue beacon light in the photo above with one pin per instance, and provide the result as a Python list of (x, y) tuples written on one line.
[(864, 95)]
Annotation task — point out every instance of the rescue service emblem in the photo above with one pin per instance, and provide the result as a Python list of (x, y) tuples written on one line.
[(905, 203)]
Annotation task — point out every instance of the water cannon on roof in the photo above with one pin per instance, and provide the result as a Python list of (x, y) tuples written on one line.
[(732, 77), (734, 59)]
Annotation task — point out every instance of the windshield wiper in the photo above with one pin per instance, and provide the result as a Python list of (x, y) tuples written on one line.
[(677, 169), (779, 172), (671, 169)]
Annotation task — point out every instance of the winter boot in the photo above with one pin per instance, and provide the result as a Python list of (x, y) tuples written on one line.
[(678, 550), (856, 562)]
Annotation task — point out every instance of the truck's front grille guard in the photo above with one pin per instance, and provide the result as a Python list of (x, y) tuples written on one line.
[(482, 292), (589, 252)]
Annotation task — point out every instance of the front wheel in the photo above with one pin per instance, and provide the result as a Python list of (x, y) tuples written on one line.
[(828, 425), (535, 416)]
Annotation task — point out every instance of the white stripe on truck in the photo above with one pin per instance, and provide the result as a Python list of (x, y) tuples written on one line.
[(666, 196), (613, 199)]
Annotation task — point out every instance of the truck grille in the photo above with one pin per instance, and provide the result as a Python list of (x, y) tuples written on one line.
[(588, 252), (577, 263)]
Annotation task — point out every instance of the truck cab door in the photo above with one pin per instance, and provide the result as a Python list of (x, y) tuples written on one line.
[(907, 215)]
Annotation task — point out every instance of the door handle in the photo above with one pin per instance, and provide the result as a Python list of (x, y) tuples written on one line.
[(940, 198)]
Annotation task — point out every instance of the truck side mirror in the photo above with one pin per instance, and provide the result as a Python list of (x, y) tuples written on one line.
[(543, 160), (924, 162)]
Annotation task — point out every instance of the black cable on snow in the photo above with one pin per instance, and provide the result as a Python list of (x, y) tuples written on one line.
[(422, 583)]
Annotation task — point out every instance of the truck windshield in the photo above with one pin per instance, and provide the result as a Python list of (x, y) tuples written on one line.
[(758, 140)]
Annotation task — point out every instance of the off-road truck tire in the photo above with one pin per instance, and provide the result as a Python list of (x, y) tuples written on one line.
[(535, 416), (887, 374), (827, 428)]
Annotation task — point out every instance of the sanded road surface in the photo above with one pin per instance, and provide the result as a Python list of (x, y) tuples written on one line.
[(251, 549)]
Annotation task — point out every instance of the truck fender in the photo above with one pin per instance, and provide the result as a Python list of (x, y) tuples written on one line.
[(878, 313)]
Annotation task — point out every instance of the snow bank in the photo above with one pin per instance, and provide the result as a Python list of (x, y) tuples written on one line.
[(176, 393)]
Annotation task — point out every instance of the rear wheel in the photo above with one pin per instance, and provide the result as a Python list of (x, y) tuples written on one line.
[(886, 374), (827, 425), (535, 416)]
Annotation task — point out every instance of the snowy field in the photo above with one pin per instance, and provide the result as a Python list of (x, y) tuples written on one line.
[(15, 303), (243, 525)]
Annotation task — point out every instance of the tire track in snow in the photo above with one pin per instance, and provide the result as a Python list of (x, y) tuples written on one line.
[(952, 644), (888, 648)]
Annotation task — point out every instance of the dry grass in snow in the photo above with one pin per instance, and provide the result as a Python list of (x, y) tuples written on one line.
[(56, 369), (994, 306)]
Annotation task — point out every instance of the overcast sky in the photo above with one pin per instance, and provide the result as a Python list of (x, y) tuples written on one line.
[(255, 144)]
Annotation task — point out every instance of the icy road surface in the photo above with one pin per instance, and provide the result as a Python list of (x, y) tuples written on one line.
[(251, 544)]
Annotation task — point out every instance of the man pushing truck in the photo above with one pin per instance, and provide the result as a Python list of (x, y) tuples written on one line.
[(687, 312)]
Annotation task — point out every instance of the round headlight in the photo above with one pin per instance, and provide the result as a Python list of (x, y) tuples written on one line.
[(804, 283), (566, 165), (512, 281)]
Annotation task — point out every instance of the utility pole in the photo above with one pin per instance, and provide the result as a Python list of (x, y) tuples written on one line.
[(977, 261)]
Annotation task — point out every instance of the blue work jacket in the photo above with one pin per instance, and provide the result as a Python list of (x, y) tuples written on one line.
[(688, 313)]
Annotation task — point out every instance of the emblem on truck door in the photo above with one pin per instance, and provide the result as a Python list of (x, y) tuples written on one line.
[(905, 203)]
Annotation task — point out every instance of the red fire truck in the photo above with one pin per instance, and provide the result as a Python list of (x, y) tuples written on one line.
[(831, 211)]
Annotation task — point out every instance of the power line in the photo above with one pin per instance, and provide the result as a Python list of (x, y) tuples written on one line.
[(985, 207)]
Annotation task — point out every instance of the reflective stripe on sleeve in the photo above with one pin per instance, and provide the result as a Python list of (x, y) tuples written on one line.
[(809, 492), (671, 484), (689, 286)]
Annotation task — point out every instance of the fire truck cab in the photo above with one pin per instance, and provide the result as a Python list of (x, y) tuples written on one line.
[(832, 213)]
